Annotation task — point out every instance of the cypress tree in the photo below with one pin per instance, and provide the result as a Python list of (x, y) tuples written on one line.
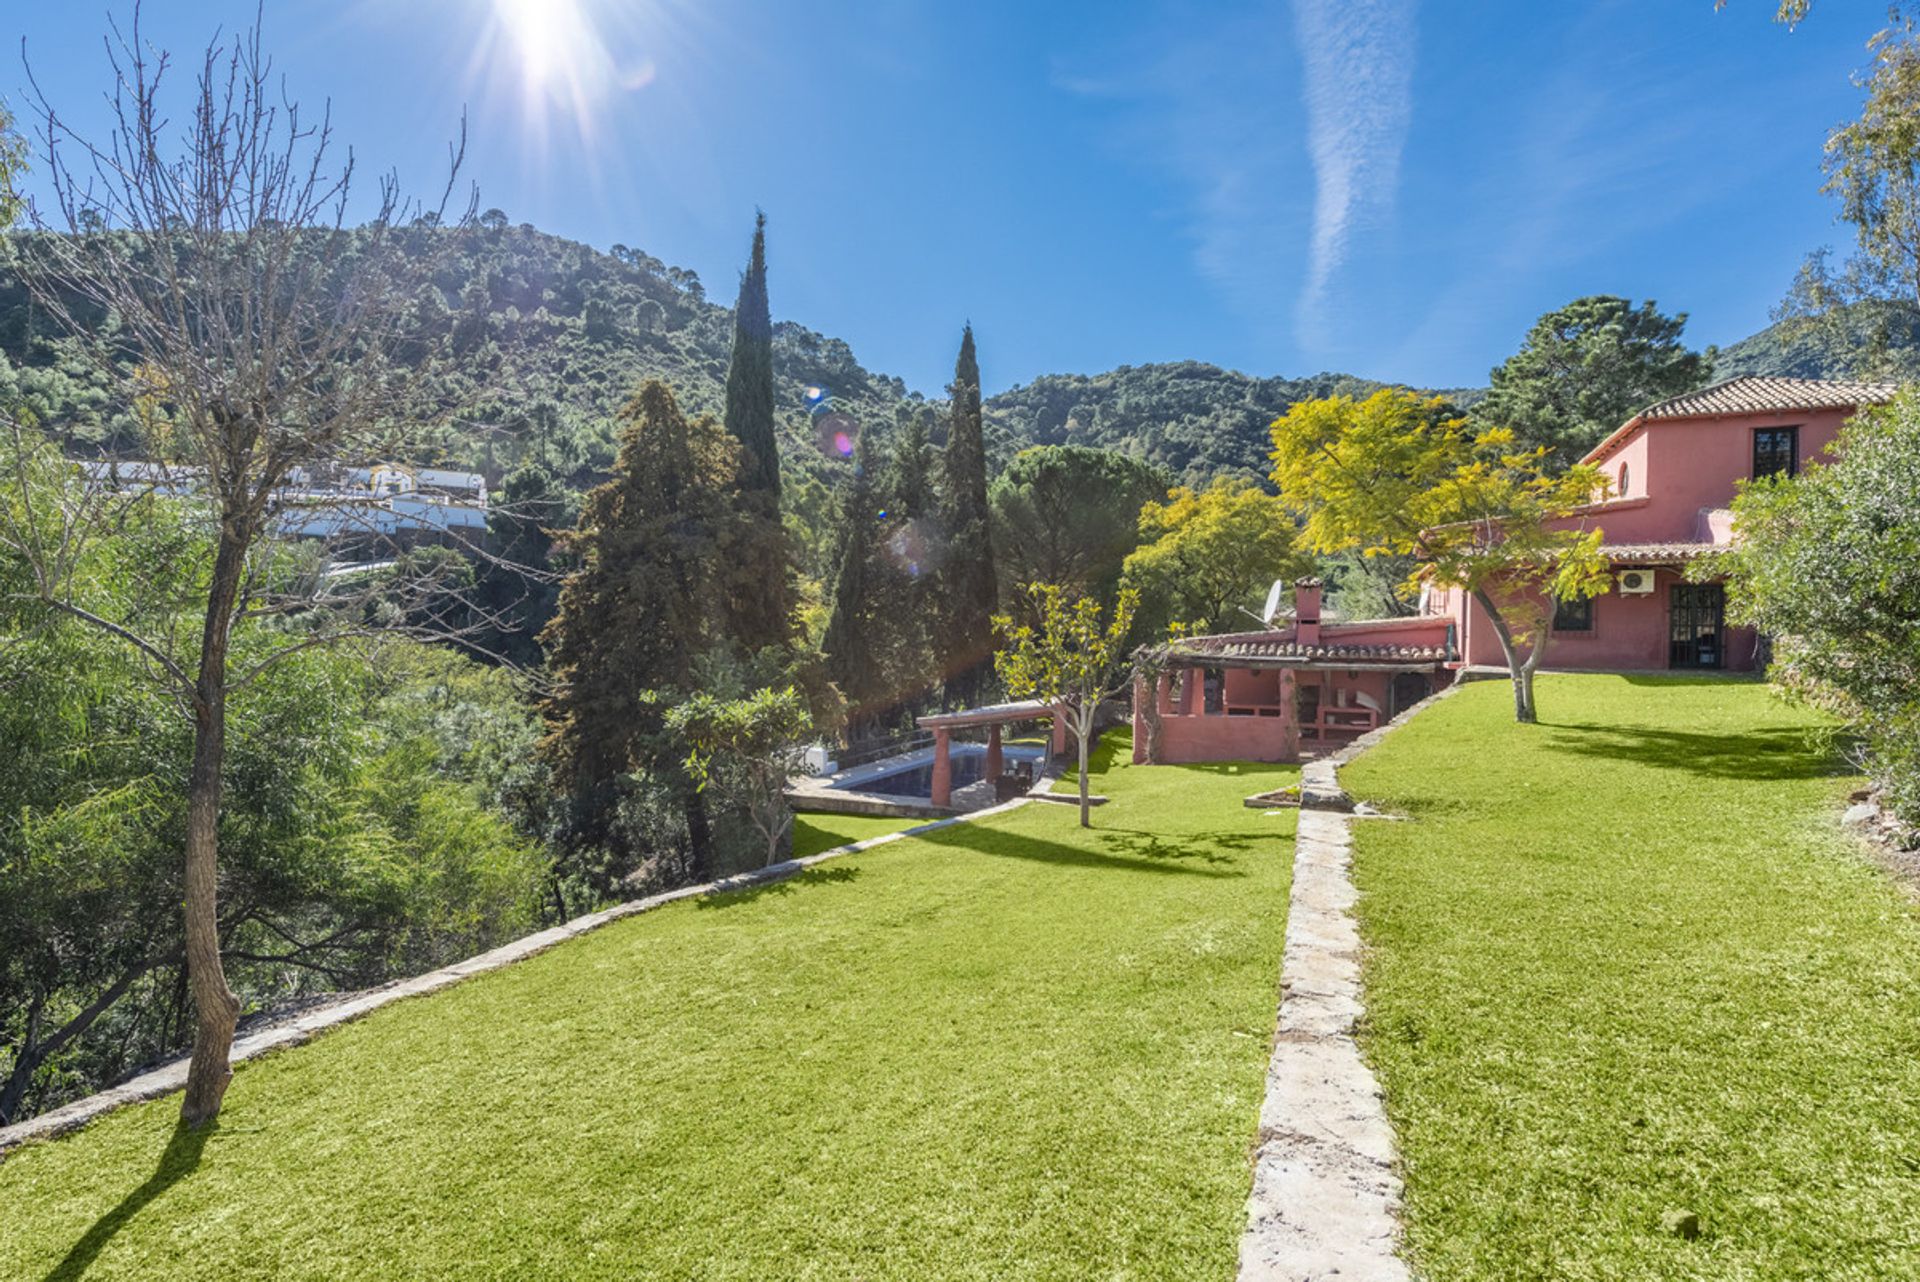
[(913, 654), (750, 374), (971, 595), (763, 615), (632, 617), (854, 648)]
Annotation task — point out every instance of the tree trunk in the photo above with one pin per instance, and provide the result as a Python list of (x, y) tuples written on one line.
[(699, 836), (1083, 730), (25, 1061), (1521, 674), (33, 1051), (215, 1008)]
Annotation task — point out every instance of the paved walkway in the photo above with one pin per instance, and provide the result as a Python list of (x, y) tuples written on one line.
[(1325, 1194)]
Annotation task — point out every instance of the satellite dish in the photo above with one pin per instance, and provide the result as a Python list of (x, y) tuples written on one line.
[(1273, 602)]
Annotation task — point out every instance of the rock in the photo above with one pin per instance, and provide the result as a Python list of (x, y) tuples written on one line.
[(1683, 1224), (1860, 812)]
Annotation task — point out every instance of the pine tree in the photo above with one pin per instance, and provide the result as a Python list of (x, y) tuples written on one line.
[(763, 615), (651, 546), (750, 374), (967, 578)]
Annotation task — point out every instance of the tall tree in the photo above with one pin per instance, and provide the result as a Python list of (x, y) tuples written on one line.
[(255, 332), (1398, 474), (854, 646), (1208, 554), (652, 545), (750, 374), (763, 617), (1585, 368), (1863, 311), (1069, 515), (970, 590)]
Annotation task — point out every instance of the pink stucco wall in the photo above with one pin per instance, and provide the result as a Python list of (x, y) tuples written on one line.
[(1681, 475), (1630, 633), (1188, 740), (1684, 466)]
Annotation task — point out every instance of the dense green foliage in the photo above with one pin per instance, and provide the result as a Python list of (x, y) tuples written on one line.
[(1828, 565), (1193, 419), (549, 339), (650, 597), (361, 839), (1069, 515), (1207, 555), (969, 591), (1638, 969), (1007, 1049), (1586, 368)]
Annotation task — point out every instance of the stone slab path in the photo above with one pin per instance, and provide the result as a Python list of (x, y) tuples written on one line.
[(1325, 1193)]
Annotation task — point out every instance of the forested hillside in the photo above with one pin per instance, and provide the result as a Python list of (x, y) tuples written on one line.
[(1847, 346), (550, 336), (1194, 419)]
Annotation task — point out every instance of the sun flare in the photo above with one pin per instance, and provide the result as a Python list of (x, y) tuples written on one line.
[(565, 57)]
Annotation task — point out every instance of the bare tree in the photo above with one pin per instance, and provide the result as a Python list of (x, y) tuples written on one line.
[(211, 271)]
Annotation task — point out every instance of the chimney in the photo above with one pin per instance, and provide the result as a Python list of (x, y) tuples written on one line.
[(1306, 611)]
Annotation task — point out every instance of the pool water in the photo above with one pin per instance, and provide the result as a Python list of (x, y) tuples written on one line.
[(914, 776)]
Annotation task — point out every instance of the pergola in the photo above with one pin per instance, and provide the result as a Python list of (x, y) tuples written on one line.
[(994, 716)]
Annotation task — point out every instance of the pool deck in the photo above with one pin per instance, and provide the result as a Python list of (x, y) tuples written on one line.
[(820, 794)]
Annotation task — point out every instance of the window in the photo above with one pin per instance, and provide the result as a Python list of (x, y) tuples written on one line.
[(1624, 488), (1573, 616), (1776, 451)]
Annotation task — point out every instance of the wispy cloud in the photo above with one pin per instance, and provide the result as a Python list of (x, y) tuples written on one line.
[(1357, 84), (1282, 129)]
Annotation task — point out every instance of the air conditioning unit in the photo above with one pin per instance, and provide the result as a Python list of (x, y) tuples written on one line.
[(1636, 582)]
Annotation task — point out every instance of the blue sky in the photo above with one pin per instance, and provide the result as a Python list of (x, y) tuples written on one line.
[(1393, 188)]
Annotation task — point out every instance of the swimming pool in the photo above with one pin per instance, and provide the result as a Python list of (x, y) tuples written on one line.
[(911, 775)]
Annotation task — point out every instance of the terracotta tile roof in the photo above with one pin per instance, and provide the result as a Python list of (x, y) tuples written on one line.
[(1655, 553), (1284, 649), (1762, 394)]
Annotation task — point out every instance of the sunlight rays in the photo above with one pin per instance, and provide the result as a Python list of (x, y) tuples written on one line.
[(564, 59)]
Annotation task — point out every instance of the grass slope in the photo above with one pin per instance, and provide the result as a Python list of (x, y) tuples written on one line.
[(1009, 1049), (1625, 963), (813, 833)]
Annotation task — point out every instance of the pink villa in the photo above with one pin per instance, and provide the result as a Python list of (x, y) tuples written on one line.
[(1674, 469)]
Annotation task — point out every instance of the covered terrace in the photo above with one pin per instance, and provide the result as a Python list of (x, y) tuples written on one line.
[(1278, 694), (994, 718)]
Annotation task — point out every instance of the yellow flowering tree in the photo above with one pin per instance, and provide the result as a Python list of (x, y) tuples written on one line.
[(1397, 474)]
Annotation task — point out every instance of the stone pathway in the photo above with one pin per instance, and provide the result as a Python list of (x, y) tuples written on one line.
[(1325, 1193)]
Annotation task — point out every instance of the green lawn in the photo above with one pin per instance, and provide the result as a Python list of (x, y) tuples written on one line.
[(1009, 1049), (813, 833), (1624, 963)]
